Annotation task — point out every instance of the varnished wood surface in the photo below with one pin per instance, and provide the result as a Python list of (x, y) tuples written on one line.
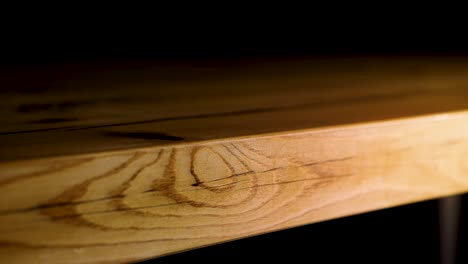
[(101, 166), (84, 108)]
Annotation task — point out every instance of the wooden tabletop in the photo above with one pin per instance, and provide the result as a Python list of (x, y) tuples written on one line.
[(127, 161)]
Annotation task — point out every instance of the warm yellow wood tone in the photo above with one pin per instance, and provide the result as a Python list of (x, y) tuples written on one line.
[(73, 110), (320, 147)]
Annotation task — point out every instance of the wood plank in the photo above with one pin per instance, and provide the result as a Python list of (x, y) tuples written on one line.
[(214, 159), (78, 109)]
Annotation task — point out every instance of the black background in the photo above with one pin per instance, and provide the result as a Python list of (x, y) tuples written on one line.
[(38, 38)]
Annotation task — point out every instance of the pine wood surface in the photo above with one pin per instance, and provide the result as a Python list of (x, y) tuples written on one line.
[(122, 163)]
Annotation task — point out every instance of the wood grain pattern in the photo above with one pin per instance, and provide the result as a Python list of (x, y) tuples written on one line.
[(83, 110), (203, 176)]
